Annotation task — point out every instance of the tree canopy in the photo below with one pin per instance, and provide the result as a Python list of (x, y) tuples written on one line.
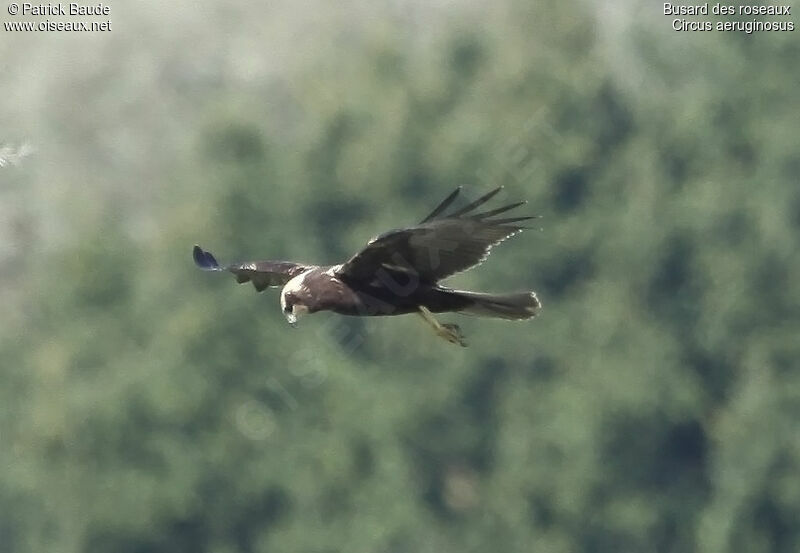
[(146, 407)]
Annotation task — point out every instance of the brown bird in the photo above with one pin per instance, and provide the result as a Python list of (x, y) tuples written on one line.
[(398, 272)]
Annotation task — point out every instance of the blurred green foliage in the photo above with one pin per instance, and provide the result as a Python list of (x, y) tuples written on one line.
[(654, 406)]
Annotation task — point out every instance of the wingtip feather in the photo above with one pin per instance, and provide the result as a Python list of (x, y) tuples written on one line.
[(443, 205), (203, 259), (480, 201), (509, 220)]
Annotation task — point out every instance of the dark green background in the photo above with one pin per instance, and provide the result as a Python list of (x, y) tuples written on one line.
[(653, 406)]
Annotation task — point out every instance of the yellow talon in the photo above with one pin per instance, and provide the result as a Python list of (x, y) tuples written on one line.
[(449, 331)]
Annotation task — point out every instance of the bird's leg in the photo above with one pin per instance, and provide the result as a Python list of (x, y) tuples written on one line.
[(450, 332)]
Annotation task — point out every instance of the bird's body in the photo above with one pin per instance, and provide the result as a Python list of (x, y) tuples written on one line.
[(322, 289), (398, 272)]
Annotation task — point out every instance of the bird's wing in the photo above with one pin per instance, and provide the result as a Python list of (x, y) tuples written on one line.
[(262, 274), (440, 246)]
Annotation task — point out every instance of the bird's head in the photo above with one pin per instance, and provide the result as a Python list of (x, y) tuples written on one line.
[(292, 308), (292, 299)]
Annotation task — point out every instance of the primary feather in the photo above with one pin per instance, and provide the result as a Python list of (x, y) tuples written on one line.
[(440, 246)]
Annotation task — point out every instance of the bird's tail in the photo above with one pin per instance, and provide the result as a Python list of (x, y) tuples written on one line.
[(517, 306)]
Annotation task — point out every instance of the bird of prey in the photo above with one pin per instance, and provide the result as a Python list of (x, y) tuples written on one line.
[(399, 271)]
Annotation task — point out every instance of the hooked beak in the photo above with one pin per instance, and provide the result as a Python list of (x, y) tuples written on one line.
[(291, 318)]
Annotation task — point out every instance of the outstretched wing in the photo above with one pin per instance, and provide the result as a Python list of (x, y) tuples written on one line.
[(262, 274), (440, 246)]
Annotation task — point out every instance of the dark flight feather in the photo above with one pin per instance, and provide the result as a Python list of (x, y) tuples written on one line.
[(480, 201), (513, 220), (442, 206), (439, 247), (204, 259), (497, 211)]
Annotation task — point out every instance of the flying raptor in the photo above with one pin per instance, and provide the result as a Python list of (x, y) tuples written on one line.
[(398, 272)]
